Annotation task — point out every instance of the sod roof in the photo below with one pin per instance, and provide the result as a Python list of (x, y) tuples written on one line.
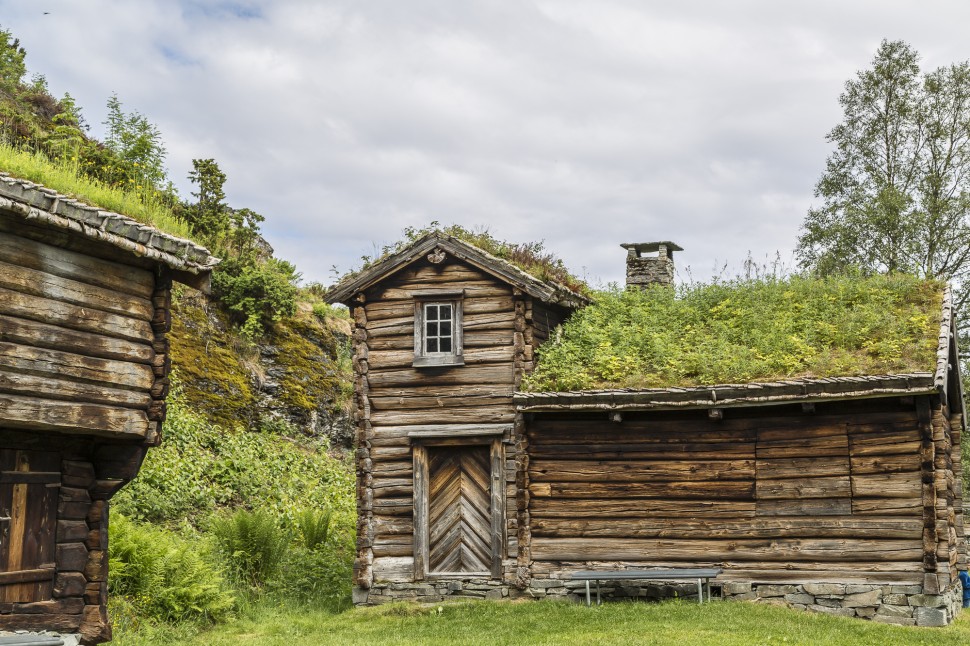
[(747, 332)]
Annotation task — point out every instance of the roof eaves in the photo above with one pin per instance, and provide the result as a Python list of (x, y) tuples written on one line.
[(36, 202), (546, 291), (729, 395)]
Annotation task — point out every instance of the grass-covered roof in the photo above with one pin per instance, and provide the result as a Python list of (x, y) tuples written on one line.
[(65, 179), (530, 257), (745, 331)]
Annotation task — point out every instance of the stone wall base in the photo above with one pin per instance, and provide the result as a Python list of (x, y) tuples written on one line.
[(892, 604), (432, 591)]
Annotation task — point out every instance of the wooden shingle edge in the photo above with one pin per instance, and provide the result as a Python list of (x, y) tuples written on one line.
[(730, 395), (549, 292), (36, 202)]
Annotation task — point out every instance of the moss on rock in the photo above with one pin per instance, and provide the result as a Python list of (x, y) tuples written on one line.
[(215, 380)]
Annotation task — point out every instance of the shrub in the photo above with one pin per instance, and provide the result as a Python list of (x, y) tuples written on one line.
[(167, 577), (251, 544), (200, 467), (257, 293), (313, 527)]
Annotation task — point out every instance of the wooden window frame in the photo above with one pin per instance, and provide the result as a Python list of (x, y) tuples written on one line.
[(422, 538), (424, 359)]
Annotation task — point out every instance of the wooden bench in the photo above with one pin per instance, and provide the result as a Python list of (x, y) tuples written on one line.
[(703, 577)]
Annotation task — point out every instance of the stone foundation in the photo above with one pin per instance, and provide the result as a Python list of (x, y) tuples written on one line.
[(435, 590), (892, 604)]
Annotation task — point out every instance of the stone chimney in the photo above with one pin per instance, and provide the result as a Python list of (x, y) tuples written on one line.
[(651, 269)]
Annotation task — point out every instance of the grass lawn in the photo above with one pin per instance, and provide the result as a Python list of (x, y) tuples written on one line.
[(472, 623)]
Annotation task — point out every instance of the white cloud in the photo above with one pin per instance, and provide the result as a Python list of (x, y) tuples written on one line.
[(585, 123)]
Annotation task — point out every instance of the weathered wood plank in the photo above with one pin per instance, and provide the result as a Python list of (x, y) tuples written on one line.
[(61, 389), (384, 360), (660, 434), (771, 549), (874, 464), (845, 526), (801, 488), (74, 317), (887, 485), (69, 366), (440, 402), (74, 292), (639, 470), (471, 339), (421, 391), (404, 309), (700, 490), (467, 415), (807, 507), (78, 266), (463, 375), (393, 525), (658, 451), (393, 569), (35, 413), (52, 337), (770, 469), (888, 506)]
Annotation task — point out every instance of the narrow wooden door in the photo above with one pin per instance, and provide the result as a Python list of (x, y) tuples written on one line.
[(459, 509), (29, 485)]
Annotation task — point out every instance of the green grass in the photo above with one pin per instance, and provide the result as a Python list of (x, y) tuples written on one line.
[(743, 331), (683, 623), (37, 167), (531, 257)]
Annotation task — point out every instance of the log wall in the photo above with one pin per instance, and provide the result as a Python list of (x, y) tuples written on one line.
[(84, 366), (55, 566), (394, 398), (775, 496), (77, 342)]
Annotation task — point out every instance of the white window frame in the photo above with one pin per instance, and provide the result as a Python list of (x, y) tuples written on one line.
[(423, 358)]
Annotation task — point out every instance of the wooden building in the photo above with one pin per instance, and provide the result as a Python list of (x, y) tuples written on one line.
[(84, 363), (840, 495)]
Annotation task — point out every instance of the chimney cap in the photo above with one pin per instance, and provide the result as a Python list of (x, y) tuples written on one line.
[(649, 247)]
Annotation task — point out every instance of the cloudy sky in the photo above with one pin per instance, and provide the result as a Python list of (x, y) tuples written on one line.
[(583, 123)]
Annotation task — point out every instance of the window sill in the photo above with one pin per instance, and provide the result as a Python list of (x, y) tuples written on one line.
[(439, 361)]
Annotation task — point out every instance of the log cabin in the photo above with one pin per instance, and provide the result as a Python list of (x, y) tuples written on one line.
[(85, 300), (840, 494)]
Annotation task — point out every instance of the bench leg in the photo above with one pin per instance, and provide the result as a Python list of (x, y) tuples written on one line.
[(588, 600), (700, 591), (599, 601)]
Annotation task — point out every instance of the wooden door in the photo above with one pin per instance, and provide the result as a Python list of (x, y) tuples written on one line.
[(459, 510), (29, 482)]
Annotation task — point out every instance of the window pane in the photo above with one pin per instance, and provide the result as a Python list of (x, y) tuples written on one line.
[(445, 312), (446, 344), (444, 328), (432, 329), (432, 345), (431, 312)]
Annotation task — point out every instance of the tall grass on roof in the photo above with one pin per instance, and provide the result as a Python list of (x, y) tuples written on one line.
[(64, 178), (531, 257), (745, 331)]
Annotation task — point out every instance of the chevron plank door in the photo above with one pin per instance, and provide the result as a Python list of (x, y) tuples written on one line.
[(459, 509)]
